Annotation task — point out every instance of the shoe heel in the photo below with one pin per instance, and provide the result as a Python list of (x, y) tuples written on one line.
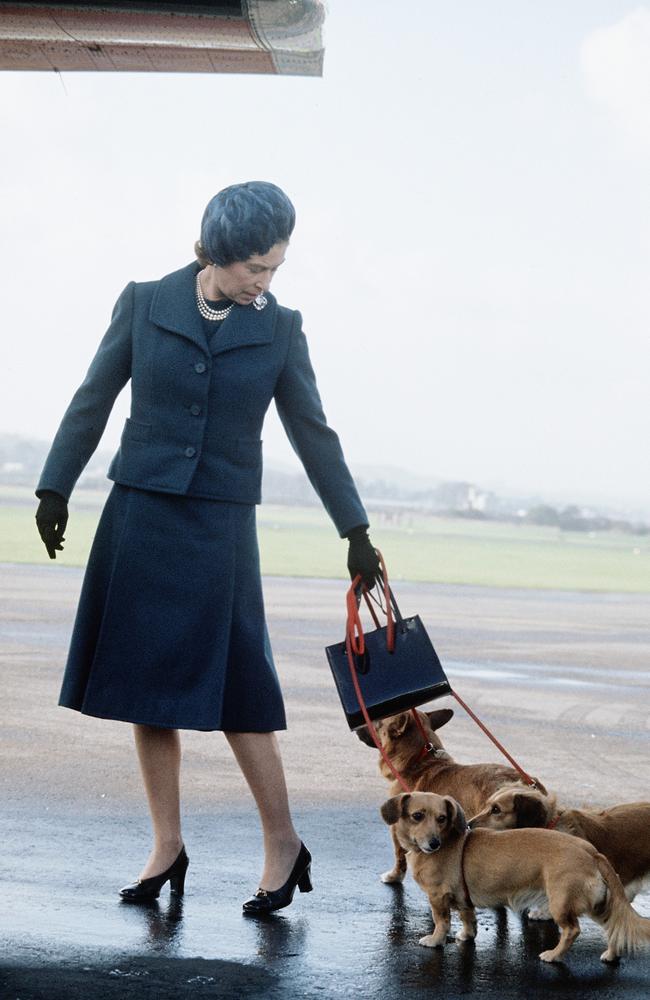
[(177, 884), (149, 888), (304, 882), (177, 874)]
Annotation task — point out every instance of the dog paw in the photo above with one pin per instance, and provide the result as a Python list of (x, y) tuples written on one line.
[(539, 913), (464, 936), (430, 941), (392, 876), (549, 956), (609, 956)]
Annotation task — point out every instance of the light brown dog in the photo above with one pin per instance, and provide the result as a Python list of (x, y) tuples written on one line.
[(434, 770), (462, 869), (621, 833)]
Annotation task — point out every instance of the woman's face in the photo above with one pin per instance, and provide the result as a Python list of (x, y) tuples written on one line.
[(245, 279)]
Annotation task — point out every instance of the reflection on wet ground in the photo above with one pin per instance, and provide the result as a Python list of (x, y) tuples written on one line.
[(69, 928)]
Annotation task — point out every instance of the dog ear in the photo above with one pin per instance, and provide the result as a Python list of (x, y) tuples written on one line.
[(455, 815), (397, 725), (529, 810), (393, 809), (364, 735), (440, 717)]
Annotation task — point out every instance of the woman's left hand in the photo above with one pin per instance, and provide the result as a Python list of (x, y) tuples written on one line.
[(362, 558)]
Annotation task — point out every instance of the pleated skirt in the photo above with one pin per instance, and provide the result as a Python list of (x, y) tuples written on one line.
[(170, 630)]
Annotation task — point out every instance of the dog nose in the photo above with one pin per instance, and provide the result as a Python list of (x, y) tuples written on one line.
[(434, 844)]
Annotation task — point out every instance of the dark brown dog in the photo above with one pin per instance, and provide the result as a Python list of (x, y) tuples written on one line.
[(514, 868), (621, 833), (434, 771)]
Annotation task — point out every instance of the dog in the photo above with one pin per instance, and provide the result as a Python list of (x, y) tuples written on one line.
[(621, 833), (461, 868), (433, 769)]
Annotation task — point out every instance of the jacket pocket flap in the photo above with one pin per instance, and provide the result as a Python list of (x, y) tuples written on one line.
[(135, 431)]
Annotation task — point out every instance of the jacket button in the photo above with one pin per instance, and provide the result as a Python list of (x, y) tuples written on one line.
[(195, 409), (199, 367), (190, 452)]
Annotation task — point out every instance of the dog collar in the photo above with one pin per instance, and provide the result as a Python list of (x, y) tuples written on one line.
[(428, 748)]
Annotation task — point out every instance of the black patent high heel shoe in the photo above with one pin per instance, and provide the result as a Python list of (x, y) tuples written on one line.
[(145, 889), (267, 900)]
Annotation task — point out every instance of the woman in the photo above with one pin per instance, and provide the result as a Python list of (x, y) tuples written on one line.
[(170, 631)]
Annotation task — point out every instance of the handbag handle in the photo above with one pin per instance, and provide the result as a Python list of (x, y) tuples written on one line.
[(354, 628), (355, 643)]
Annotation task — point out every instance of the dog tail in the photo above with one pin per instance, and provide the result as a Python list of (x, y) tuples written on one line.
[(627, 931)]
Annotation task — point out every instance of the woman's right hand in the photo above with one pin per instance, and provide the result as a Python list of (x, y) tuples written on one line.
[(51, 520)]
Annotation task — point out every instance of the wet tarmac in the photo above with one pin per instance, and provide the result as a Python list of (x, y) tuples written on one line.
[(563, 680), (70, 936)]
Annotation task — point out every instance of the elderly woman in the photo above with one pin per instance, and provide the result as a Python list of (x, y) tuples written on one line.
[(170, 631)]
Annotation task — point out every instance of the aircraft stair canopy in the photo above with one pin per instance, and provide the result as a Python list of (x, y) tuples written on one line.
[(232, 36)]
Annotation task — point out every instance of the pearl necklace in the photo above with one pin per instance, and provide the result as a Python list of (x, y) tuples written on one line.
[(207, 311)]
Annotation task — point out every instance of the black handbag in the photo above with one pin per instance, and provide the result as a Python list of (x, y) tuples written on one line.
[(388, 670)]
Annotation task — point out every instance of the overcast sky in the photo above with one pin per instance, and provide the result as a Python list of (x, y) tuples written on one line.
[(471, 256)]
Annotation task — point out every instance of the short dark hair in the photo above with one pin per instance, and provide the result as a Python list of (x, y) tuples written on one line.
[(242, 220)]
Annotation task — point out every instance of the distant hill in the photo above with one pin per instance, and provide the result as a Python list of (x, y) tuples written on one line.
[(394, 474), (21, 461), (386, 488)]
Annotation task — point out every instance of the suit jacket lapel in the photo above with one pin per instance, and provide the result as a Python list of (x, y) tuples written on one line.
[(245, 326), (174, 305), (174, 308)]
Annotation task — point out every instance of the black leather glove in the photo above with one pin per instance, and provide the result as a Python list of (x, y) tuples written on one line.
[(51, 520), (362, 558)]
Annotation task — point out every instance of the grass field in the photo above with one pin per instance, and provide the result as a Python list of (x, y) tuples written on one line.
[(300, 541)]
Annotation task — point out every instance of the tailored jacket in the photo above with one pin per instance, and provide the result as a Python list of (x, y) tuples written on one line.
[(197, 409)]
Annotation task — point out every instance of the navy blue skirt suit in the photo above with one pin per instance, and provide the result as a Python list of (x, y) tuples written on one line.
[(170, 629)]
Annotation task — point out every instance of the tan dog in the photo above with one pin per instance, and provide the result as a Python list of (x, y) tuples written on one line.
[(621, 833), (513, 868), (434, 770)]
